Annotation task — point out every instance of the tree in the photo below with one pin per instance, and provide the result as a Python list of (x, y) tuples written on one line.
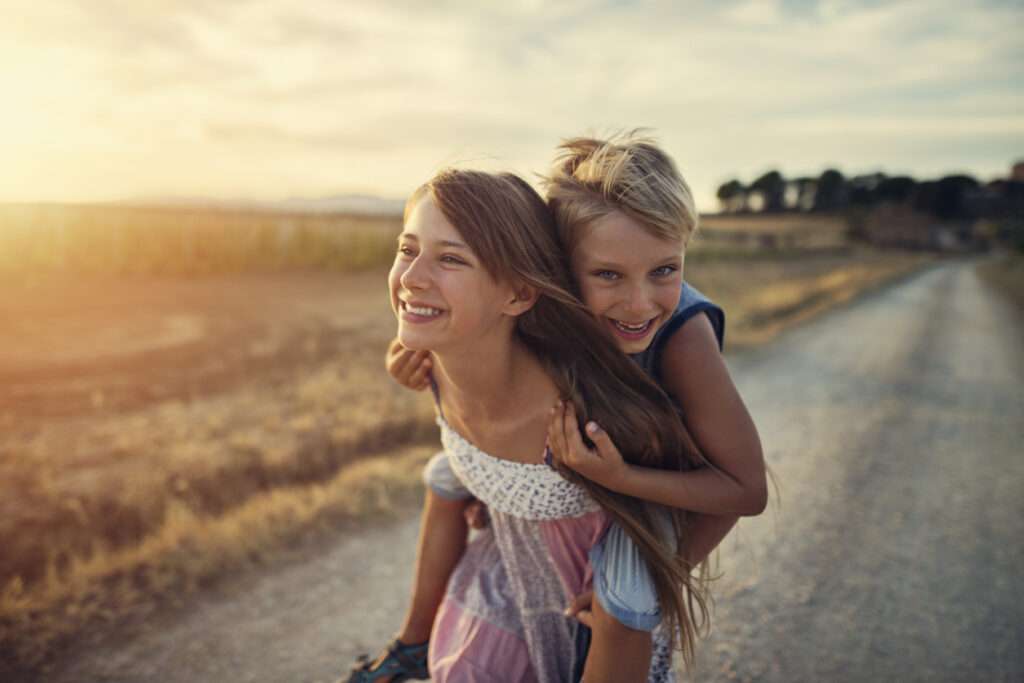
[(953, 194), (732, 196), (800, 193), (895, 189), (772, 188), (862, 190), (946, 198), (831, 192)]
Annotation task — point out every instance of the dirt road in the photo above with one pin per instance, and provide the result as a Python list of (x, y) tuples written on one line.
[(895, 550)]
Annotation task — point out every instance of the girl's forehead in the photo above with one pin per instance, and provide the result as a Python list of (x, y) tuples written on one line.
[(427, 220)]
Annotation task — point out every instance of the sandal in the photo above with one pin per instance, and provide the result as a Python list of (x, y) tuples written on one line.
[(402, 662)]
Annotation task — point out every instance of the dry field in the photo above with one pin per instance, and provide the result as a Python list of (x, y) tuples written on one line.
[(726, 233), (160, 431)]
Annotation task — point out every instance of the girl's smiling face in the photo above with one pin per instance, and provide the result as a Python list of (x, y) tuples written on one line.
[(629, 278), (440, 290)]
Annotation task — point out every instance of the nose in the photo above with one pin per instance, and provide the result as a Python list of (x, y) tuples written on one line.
[(416, 275), (638, 302)]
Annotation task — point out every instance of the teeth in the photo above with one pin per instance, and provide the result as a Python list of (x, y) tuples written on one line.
[(428, 312), (631, 328)]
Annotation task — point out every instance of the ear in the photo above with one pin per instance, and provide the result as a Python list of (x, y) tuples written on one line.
[(522, 299)]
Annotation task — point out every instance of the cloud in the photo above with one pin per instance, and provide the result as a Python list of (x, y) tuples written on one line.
[(374, 95)]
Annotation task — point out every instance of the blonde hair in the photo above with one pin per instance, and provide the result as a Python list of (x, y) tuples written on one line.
[(509, 227), (628, 172)]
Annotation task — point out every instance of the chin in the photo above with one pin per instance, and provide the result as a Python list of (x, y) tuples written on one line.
[(410, 341)]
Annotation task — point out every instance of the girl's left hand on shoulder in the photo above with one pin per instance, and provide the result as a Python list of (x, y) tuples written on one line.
[(602, 464)]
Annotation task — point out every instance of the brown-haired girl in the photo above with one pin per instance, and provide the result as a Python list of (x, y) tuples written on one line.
[(481, 282)]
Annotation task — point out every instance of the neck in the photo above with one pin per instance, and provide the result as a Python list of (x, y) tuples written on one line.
[(491, 382)]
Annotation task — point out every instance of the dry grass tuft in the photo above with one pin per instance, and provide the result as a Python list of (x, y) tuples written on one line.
[(189, 549)]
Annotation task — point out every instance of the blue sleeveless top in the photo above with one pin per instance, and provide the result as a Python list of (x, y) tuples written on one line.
[(691, 303)]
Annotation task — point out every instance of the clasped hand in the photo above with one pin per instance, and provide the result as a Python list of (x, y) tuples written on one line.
[(602, 464)]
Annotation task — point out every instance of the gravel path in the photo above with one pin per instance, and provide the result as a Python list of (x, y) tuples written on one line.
[(894, 552)]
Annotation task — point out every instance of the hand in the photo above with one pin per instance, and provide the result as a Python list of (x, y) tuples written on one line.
[(603, 464), (475, 514), (410, 368), (580, 608)]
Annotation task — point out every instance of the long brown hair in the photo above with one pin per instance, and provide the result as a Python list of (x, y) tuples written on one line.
[(509, 227)]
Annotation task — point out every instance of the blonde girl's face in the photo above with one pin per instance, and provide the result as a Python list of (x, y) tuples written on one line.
[(441, 293), (629, 278)]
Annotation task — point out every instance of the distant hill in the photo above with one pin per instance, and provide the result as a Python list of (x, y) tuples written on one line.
[(348, 203)]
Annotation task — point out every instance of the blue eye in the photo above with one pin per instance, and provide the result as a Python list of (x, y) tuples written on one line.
[(663, 270), (607, 274)]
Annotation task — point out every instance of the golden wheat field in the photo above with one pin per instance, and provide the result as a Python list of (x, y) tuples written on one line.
[(166, 421)]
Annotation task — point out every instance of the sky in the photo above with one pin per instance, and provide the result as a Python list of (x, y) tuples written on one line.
[(270, 99)]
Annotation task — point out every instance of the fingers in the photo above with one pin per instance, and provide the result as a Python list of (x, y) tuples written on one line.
[(564, 438), (580, 608), (409, 368), (475, 514), (602, 442), (572, 429), (420, 377), (580, 602)]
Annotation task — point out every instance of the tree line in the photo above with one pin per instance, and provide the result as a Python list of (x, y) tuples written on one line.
[(950, 198)]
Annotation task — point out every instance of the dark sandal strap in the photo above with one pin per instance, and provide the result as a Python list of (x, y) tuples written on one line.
[(400, 661), (404, 654)]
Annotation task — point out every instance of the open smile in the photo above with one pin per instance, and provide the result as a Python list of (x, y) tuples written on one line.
[(632, 331), (418, 312)]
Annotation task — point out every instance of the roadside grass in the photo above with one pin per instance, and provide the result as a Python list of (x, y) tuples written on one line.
[(1006, 274), (763, 296), (112, 239), (109, 515), (106, 587)]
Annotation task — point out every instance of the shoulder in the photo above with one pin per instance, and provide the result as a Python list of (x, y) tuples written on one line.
[(691, 355), (691, 304), (695, 343)]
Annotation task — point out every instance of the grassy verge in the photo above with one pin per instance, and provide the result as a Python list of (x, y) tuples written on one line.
[(189, 549), (763, 296), (1006, 274)]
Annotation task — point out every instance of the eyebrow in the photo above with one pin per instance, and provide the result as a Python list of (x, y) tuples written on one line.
[(612, 265), (443, 243)]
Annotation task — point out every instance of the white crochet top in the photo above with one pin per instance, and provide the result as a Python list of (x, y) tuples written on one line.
[(524, 490)]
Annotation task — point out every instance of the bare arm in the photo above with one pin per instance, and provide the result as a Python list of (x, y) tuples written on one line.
[(733, 483), (617, 654)]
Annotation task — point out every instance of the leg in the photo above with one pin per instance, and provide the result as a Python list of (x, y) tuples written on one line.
[(617, 652), (443, 533)]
